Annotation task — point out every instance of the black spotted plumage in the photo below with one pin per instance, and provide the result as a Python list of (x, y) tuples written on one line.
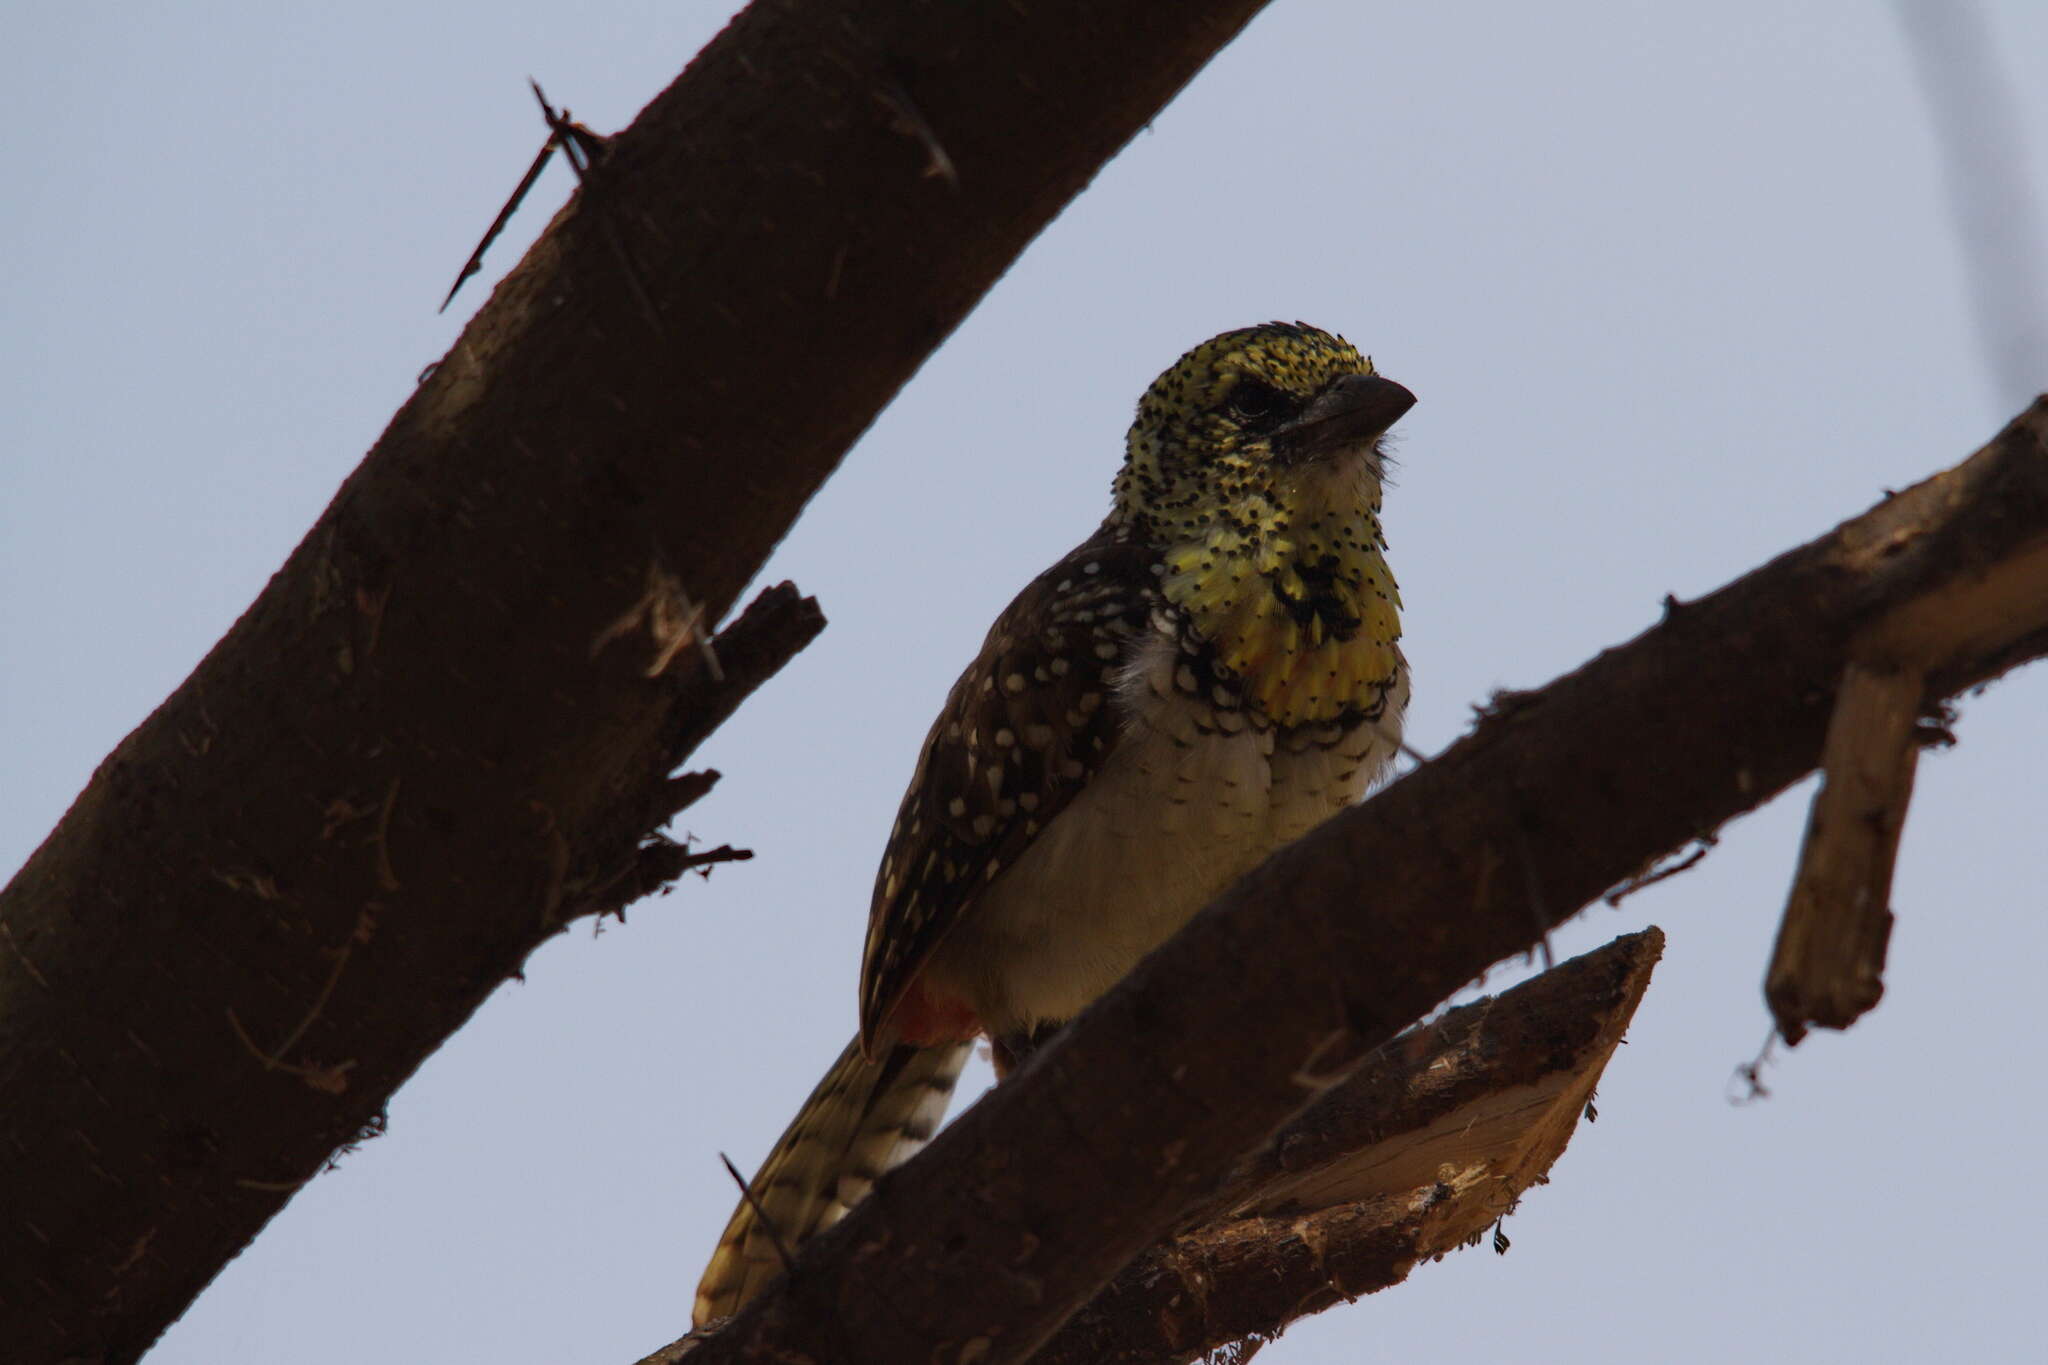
[(1210, 674), (1021, 733)]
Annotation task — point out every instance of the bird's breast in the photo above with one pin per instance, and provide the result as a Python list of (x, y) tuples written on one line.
[(1195, 794)]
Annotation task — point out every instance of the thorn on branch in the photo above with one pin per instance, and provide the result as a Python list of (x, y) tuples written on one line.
[(475, 263), (584, 150), (580, 145)]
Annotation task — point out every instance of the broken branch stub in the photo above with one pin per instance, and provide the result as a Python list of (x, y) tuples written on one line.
[(1828, 966)]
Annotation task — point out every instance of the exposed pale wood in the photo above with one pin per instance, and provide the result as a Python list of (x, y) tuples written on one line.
[(1432, 1142), (1828, 965)]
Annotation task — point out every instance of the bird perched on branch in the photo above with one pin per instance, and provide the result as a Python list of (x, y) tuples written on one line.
[(1212, 673)]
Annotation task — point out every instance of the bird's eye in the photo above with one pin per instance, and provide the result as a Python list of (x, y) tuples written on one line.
[(1258, 404)]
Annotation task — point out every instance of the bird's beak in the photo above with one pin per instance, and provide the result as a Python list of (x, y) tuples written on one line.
[(1350, 413)]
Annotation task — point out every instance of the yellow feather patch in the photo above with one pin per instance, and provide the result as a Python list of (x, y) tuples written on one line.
[(1277, 562), (1296, 672)]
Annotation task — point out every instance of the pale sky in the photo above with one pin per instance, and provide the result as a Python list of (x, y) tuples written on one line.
[(1677, 287)]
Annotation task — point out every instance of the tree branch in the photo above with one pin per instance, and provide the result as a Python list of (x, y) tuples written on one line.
[(1427, 1146), (1018, 1213), (441, 728)]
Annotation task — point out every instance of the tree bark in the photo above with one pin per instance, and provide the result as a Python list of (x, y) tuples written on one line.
[(1015, 1216), (1430, 1143), (1420, 1152), (449, 721)]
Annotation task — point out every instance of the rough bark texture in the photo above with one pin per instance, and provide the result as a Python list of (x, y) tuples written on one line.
[(1481, 1070), (978, 1250), (425, 739), (1427, 1146)]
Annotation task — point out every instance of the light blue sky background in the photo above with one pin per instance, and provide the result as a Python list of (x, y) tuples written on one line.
[(1677, 287)]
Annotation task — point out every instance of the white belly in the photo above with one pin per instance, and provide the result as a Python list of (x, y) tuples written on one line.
[(1174, 816)]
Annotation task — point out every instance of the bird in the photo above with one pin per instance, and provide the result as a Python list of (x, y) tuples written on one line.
[(1212, 673)]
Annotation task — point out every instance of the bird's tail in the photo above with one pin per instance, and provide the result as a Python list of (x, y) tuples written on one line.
[(862, 1119)]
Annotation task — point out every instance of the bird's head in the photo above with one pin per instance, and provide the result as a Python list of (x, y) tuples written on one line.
[(1247, 423), (1254, 469)]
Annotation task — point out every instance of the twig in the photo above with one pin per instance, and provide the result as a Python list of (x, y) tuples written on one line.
[(1707, 841), (653, 866), (760, 1215)]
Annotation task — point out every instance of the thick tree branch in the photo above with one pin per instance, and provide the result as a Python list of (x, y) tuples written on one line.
[(1019, 1212), (442, 727), (1427, 1146), (1460, 1090)]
